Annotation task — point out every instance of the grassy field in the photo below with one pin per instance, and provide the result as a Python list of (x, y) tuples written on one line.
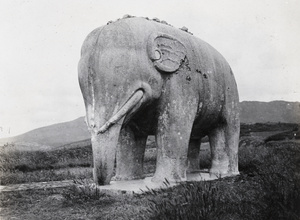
[(268, 187)]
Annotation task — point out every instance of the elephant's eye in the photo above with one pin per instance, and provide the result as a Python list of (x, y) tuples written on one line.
[(157, 55)]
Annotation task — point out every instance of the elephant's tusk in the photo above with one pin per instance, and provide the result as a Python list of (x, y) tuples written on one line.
[(132, 101)]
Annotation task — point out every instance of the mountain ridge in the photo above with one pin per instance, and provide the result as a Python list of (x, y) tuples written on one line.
[(273, 112)]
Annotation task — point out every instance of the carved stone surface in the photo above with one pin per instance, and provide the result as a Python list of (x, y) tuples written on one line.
[(143, 77), (167, 53)]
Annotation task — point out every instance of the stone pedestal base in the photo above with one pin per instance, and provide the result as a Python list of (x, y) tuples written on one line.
[(143, 185)]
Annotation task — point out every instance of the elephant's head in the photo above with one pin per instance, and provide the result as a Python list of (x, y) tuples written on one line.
[(118, 78), (167, 55)]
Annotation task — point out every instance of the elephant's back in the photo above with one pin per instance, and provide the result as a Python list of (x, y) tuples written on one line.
[(136, 32), (133, 35)]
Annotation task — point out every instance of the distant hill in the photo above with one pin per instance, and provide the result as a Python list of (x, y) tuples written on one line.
[(275, 111), (54, 135), (75, 131)]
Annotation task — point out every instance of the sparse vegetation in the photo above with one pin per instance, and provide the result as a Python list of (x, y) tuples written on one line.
[(34, 166), (288, 135), (39, 166), (27, 161), (263, 127), (268, 187)]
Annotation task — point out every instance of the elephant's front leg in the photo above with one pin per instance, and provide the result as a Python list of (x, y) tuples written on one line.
[(130, 155), (172, 139)]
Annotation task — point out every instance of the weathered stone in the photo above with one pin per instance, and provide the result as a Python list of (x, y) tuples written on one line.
[(184, 29), (141, 77), (156, 19), (127, 16)]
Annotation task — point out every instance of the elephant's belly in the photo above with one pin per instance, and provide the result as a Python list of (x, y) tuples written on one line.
[(205, 123), (145, 121), (201, 130)]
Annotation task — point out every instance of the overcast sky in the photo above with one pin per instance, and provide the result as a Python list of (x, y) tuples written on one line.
[(40, 43)]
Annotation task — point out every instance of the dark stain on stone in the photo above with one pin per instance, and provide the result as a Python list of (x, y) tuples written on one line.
[(184, 63), (198, 71)]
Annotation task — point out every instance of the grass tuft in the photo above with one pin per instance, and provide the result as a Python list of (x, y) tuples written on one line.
[(82, 190)]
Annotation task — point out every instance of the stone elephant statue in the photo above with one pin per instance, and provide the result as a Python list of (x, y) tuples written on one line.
[(143, 77)]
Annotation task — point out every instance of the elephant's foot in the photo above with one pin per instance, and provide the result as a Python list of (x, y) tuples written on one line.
[(194, 165), (174, 170), (193, 156), (131, 171), (221, 169)]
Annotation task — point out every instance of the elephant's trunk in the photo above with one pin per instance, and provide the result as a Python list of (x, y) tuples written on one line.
[(105, 140), (104, 154), (130, 104)]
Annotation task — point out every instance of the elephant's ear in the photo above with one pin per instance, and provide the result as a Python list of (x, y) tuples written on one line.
[(166, 52)]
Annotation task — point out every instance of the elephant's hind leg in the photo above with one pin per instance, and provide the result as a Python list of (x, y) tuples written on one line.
[(224, 150), (193, 155), (220, 159), (130, 155), (232, 141)]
